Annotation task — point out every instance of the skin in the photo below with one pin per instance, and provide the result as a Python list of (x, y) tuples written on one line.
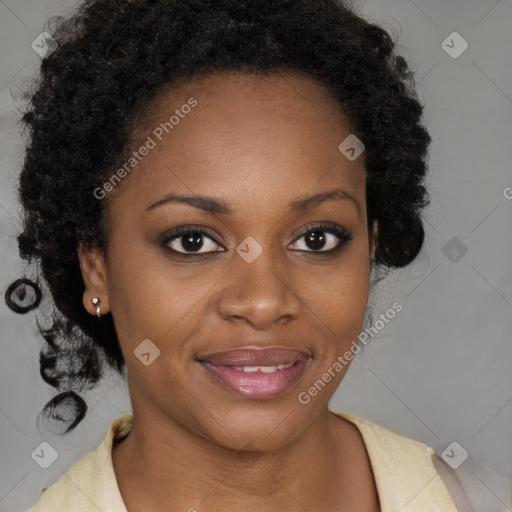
[(257, 143)]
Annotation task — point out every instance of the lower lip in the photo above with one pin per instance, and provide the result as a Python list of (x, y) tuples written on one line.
[(256, 384)]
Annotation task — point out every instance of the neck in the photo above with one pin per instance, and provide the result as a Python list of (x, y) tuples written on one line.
[(177, 469)]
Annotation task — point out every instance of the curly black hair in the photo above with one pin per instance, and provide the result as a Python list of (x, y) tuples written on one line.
[(115, 56)]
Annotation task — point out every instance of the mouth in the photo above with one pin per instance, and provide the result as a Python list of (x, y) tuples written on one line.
[(257, 373)]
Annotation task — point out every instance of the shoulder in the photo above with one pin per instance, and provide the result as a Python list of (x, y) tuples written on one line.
[(90, 483), (405, 470), (472, 486), (65, 494), (476, 486)]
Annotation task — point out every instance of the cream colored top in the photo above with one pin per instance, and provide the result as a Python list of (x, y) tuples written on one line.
[(406, 478)]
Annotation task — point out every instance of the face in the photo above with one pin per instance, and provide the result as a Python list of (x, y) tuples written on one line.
[(271, 249)]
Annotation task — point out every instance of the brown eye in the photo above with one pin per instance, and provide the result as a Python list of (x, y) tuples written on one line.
[(322, 239), (191, 241)]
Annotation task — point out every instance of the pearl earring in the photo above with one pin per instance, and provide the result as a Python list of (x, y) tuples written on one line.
[(96, 302)]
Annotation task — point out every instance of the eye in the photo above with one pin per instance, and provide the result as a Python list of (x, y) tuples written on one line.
[(323, 238), (191, 241)]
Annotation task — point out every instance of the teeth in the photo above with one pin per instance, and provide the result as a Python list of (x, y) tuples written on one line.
[(262, 369), (268, 369), (248, 369)]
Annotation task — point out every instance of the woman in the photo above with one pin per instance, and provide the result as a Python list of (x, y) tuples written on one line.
[(208, 188)]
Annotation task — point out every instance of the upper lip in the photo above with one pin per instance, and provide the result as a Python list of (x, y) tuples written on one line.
[(257, 356)]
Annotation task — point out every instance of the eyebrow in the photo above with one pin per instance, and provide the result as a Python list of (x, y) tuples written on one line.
[(218, 206)]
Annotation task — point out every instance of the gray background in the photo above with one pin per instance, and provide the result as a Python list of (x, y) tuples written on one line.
[(440, 370)]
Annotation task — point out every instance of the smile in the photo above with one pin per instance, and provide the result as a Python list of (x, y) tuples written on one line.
[(238, 370), (263, 369)]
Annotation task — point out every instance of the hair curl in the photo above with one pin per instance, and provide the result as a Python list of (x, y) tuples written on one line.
[(115, 56)]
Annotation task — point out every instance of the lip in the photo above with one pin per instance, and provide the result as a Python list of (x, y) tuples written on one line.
[(256, 384), (257, 356)]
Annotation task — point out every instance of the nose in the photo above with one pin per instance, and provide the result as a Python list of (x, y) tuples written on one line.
[(260, 293)]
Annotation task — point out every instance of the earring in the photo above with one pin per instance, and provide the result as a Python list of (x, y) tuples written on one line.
[(96, 302)]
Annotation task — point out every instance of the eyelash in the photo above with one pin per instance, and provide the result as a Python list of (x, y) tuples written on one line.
[(343, 234)]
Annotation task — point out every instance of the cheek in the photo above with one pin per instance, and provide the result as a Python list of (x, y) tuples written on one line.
[(343, 285), (151, 298), (339, 299)]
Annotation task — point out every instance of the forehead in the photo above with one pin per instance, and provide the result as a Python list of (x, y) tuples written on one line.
[(250, 93), (260, 135)]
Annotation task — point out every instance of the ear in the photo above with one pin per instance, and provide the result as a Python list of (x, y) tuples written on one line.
[(94, 275), (373, 240)]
